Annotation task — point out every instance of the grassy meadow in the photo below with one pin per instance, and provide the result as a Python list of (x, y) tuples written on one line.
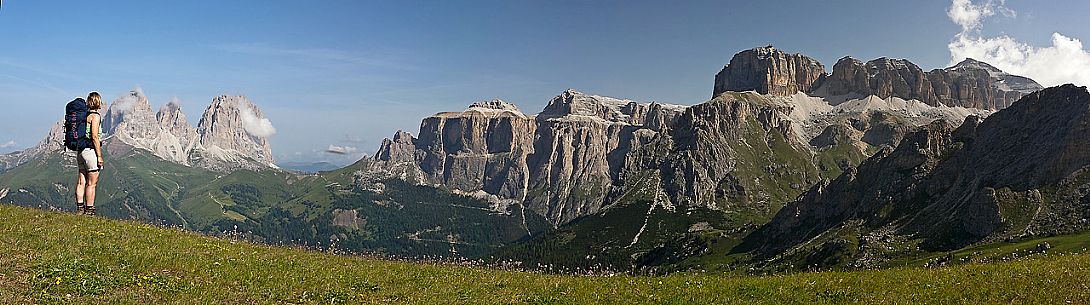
[(58, 258)]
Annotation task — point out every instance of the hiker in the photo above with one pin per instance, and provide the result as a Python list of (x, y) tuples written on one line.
[(88, 147)]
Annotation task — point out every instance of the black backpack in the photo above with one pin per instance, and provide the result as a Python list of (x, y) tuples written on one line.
[(75, 125)]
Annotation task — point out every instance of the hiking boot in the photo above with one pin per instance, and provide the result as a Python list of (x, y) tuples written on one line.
[(81, 209), (89, 210)]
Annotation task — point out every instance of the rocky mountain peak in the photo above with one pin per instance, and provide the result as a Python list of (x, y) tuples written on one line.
[(886, 64), (399, 148), (171, 118), (130, 117), (970, 83), (768, 70), (574, 104), (1001, 81), (177, 137), (234, 134), (496, 104), (53, 143), (130, 121), (969, 63)]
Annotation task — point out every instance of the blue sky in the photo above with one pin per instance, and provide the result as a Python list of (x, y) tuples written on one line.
[(348, 73)]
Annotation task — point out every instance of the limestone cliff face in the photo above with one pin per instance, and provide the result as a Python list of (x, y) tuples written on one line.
[(178, 137), (562, 163), (481, 148), (399, 149), (970, 84), (131, 120), (883, 77), (230, 136), (577, 133), (232, 133), (769, 71), (976, 84), (582, 150), (737, 151)]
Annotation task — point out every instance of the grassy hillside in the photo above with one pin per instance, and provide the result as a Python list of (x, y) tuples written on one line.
[(51, 257), (277, 207)]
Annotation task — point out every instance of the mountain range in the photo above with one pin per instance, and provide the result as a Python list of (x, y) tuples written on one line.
[(786, 165)]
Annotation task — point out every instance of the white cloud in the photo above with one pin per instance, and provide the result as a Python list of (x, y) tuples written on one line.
[(175, 101), (969, 15), (9, 144), (254, 125), (127, 101), (1065, 61), (341, 150)]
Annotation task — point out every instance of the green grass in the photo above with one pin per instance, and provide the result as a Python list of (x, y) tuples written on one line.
[(51, 257), (831, 161), (992, 252)]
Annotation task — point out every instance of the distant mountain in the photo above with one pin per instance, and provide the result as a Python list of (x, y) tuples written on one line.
[(971, 83), (53, 143), (308, 167), (222, 141)]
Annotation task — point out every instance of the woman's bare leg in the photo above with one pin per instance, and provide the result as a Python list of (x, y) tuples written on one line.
[(81, 188), (92, 182)]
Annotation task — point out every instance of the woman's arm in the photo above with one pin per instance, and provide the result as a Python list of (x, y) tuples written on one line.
[(96, 137)]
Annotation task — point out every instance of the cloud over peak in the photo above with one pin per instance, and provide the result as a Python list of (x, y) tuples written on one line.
[(1065, 61), (254, 125)]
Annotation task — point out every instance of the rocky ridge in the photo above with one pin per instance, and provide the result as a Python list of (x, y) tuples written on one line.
[(768, 70), (559, 163), (576, 156), (969, 84), (226, 140), (219, 142)]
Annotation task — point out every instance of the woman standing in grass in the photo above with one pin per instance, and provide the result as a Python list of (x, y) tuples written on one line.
[(90, 159)]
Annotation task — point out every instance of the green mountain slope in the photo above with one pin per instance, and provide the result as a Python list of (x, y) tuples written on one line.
[(326, 211), (51, 257)]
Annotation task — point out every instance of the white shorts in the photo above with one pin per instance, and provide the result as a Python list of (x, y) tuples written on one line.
[(87, 160)]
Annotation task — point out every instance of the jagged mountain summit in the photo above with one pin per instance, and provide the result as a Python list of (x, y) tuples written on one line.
[(768, 70), (970, 84), (222, 141), (560, 163), (233, 134)]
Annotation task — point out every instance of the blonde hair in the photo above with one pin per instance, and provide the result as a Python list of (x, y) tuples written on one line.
[(94, 101)]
